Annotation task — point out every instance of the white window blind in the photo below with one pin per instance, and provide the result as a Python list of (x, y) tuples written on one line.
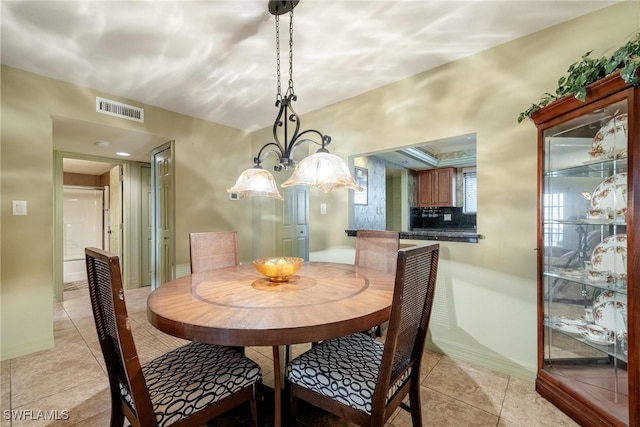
[(470, 192), (554, 210)]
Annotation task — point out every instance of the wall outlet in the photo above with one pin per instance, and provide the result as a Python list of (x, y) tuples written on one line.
[(323, 208), (447, 217)]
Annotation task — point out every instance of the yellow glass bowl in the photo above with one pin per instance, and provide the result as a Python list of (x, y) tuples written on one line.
[(278, 269)]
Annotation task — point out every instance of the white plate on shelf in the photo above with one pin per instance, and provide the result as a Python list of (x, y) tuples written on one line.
[(571, 329), (611, 255), (598, 221), (610, 142), (575, 273), (598, 340), (610, 196), (609, 315), (570, 320), (609, 295)]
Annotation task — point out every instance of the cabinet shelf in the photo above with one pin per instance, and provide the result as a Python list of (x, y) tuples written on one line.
[(596, 168), (584, 221), (619, 286), (614, 350)]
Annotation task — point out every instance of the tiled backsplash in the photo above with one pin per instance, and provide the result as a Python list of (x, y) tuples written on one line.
[(441, 218)]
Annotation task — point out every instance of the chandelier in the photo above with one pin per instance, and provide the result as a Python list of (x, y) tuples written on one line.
[(321, 170)]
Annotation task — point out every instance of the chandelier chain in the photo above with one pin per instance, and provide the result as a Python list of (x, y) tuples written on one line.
[(278, 93), (290, 89)]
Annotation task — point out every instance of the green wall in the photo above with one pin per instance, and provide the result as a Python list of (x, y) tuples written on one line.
[(485, 308), (204, 167)]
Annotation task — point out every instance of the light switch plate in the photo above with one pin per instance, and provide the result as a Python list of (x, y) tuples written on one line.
[(19, 207)]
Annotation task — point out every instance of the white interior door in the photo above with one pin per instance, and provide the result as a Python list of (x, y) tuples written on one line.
[(294, 232), (146, 230), (163, 218)]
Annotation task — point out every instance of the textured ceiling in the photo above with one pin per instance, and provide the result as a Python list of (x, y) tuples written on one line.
[(216, 59)]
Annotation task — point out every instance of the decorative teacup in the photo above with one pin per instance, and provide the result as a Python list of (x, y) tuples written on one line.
[(596, 214), (599, 333), (598, 275), (599, 213), (588, 315)]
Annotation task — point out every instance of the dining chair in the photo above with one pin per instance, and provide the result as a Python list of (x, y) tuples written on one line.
[(184, 387), (361, 379), (213, 249), (377, 249)]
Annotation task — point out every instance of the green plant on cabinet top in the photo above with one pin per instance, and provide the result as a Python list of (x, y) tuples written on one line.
[(626, 60)]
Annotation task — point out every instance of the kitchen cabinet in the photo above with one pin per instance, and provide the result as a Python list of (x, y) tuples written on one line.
[(437, 188), (588, 268)]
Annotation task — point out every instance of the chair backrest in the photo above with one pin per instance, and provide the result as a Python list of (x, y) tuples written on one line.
[(377, 249), (410, 312), (214, 249), (116, 340)]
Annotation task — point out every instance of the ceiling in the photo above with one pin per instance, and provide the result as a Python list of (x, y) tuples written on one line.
[(457, 151), (215, 59)]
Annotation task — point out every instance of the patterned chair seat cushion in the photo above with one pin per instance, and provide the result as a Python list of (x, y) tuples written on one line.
[(191, 377), (344, 369)]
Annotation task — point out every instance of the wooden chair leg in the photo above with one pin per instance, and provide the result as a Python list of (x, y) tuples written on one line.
[(117, 417), (414, 401), (257, 406), (290, 419)]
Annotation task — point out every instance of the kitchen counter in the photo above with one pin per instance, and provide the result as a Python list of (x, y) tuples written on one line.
[(442, 235)]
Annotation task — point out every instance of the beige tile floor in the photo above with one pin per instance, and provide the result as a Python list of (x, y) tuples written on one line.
[(70, 379)]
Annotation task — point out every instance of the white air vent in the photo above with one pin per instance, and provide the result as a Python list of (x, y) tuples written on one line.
[(118, 109)]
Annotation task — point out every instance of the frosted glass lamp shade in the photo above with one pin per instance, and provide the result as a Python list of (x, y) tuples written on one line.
[(256, 182), (324, 171)]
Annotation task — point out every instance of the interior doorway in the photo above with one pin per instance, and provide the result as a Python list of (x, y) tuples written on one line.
[(293, 233), (83, 226), (128, 151), (100, 202)]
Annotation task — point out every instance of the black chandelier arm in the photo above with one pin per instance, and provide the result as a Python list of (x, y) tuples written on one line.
[(286, 110), (266, 149), (324, 139)]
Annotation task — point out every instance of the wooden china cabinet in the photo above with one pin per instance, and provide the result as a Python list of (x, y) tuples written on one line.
[(588, 264)]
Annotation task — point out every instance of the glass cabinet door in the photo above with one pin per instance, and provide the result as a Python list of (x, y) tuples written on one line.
[(584, 255)]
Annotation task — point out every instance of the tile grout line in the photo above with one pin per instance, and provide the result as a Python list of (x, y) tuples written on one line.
[(10, 392), (504, 398), (425, 381), (83, 339)]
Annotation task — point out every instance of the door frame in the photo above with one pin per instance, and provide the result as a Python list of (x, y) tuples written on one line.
[(155, 200), (131, 212)]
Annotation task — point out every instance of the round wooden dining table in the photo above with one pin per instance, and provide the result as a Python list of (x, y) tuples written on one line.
[(237, 306)]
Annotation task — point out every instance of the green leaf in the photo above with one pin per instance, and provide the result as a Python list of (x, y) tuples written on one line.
[(628, 73)]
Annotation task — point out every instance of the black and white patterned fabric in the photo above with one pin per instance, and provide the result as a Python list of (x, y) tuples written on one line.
[(191, 377), (344, 369)]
